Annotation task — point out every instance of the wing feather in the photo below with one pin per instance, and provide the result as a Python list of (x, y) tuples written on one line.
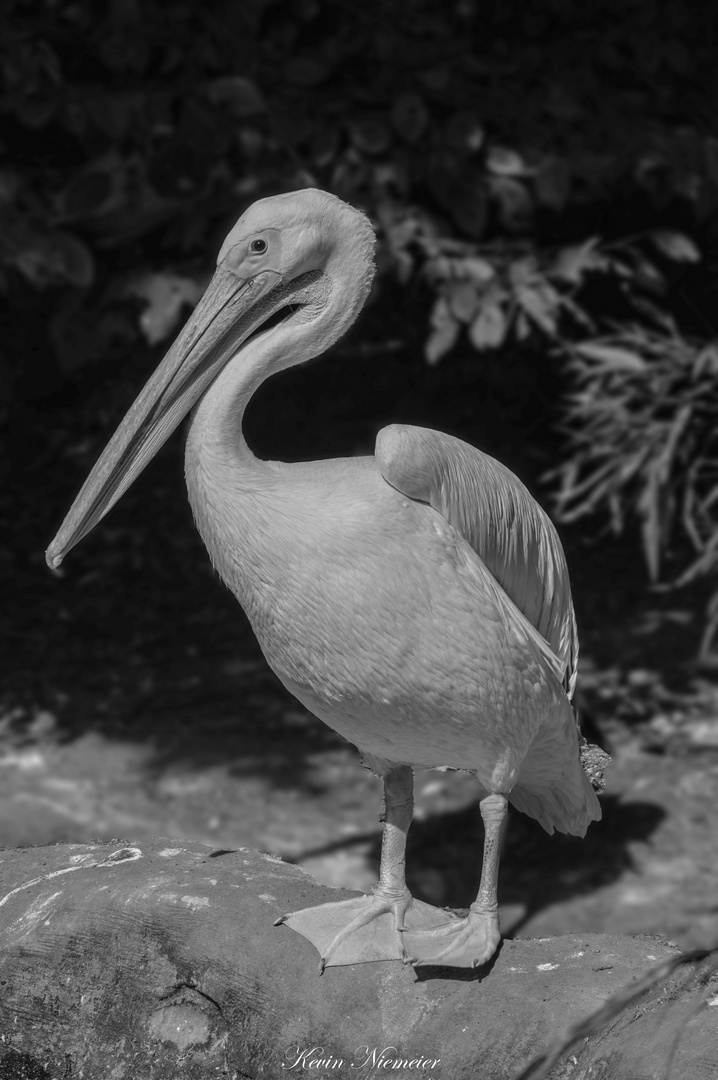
[(502, 522)]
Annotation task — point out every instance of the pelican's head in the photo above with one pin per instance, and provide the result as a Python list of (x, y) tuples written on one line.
[(298, 264), (291, 235)]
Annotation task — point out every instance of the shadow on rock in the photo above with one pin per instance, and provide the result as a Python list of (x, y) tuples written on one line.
[(537, 870)]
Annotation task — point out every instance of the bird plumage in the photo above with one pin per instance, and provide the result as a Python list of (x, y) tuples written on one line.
[(416, 600)]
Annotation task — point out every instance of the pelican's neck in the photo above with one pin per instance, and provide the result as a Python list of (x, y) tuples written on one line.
[(221, 470), (236, 497), (216, 439)]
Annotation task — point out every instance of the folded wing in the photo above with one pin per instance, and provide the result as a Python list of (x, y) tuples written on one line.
[(495, 513)]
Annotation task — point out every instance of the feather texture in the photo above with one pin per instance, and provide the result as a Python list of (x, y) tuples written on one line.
[(492, 510), (497, 516)]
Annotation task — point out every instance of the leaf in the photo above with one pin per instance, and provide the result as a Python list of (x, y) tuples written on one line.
[(461, 193), (479, 270), (242, 96), (444, 333), (463, 300), (73, 259), (55, 259), (574, 262), (165, 295), (552, 183), (649, 506), (488, 330), (348, 175), (324, 145), (410, 117), (515, 203), (404, 264), (370, 136), (675, 245), (612, 356), (463, 132), (523, 327), (504, 162), (540, 307), (647, 274)]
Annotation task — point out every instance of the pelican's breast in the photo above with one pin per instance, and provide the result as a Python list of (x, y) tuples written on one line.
[(378, 616)]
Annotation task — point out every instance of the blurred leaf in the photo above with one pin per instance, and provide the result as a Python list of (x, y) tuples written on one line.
[(522, 327), (410, 117), (504, 162), (540, 305), (675, 245), (515, 204), (73, 259), (324, 145), (479, 270), (611, 356), (444, 332), (56, 259), (489, 328), (348, 175), (647, 274), (370, 136), (464, 133), (165, 296), (463, 300), (241, 96), (574, 262), (552, 183), (462, 195), (649, 507)]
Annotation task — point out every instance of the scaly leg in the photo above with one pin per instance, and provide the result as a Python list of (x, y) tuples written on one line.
[(373, 927), (469, 942)]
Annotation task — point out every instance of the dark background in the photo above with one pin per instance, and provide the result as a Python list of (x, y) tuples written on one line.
[(544, 183)]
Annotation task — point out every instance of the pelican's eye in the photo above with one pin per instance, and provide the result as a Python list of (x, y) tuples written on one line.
[(258, 246)]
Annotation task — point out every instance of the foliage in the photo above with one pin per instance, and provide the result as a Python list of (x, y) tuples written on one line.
[(536, 168), (504, 289), (643, 422), (471, 132)]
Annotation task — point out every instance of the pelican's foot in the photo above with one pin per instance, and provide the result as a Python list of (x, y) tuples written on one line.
[(365, 928), (466, 943)]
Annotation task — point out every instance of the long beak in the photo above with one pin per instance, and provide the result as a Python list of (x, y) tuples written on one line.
[(229, 311)]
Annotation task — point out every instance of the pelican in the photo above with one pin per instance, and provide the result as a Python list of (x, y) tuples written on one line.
[(416, 600)]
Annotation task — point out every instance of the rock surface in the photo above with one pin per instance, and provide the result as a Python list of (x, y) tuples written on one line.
[(159, 959)]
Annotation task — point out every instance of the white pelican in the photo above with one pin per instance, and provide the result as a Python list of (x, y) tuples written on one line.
[(417, 601)]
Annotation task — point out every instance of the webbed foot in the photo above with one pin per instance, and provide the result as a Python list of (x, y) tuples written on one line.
[(366, 928), (466, 943)]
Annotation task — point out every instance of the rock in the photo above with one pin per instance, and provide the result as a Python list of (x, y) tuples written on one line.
[(130, 960)]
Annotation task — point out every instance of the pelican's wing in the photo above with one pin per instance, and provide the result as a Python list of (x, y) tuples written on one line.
[(494, 512)]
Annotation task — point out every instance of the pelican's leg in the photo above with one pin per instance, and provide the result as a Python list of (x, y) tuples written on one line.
[(373, 927), (469, 942)]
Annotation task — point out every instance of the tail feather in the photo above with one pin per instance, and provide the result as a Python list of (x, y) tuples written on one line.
[(552, 786)]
